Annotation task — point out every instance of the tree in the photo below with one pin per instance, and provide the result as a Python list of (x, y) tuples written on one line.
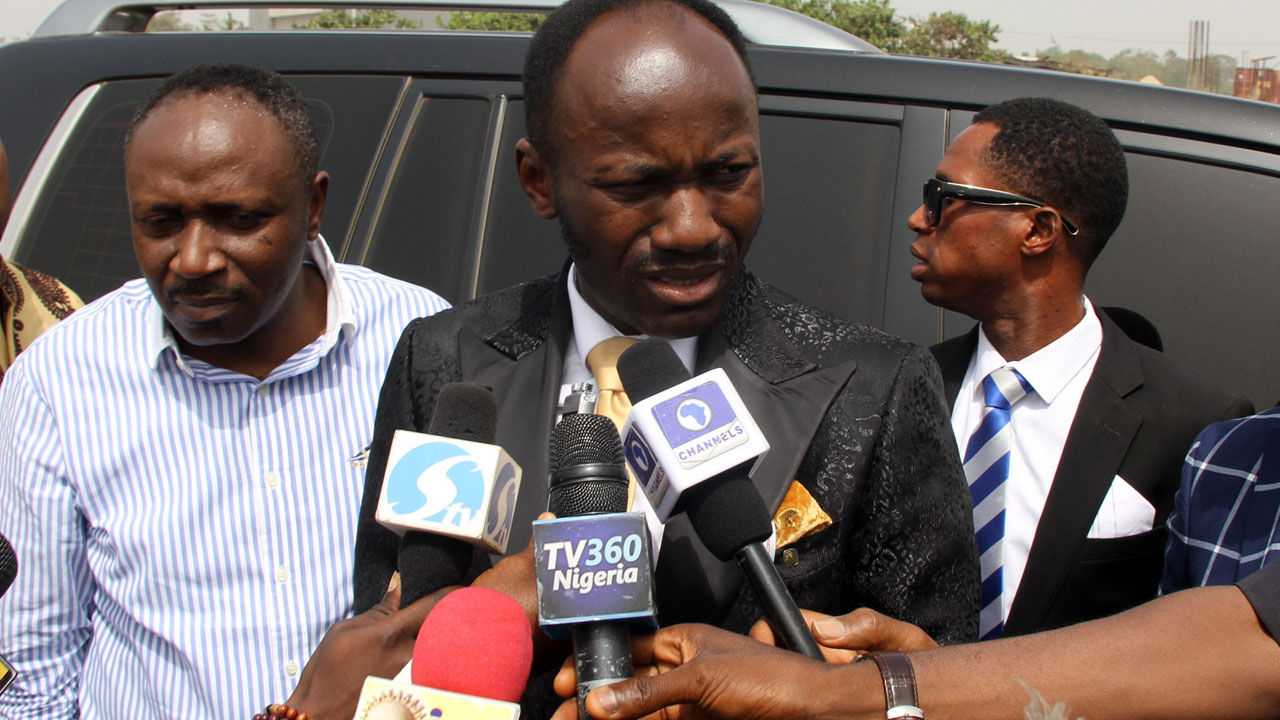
[(953, 35), (948, 34), (872, 20), (367, 19), (210, 21), (167, 22), (493, 21)]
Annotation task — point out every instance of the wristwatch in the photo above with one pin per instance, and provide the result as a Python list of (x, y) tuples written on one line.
[(899, 685)]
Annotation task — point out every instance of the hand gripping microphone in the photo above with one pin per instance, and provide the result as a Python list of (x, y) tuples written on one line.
[(448, 490), (471, 662), (593, 566), (691, 444)]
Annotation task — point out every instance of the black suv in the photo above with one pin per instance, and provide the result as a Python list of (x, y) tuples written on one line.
[(418, 130)]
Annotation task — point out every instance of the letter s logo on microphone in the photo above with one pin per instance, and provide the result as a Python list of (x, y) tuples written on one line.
[(436, 482), (507, 487)]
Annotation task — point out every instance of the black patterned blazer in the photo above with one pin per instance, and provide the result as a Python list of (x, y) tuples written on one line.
[(855, 415)]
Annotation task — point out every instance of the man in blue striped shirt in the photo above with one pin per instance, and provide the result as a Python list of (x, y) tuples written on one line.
[(181, 462)]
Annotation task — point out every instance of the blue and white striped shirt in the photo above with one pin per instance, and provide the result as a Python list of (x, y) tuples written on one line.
[(184, 533), (1225, 523)]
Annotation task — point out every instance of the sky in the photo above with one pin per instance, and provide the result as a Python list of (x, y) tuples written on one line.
[(1243, 29)]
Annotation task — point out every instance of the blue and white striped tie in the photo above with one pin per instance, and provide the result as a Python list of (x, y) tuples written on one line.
[(986, 466)]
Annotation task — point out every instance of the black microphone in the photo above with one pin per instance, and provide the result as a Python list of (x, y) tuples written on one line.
[(725, 510), (427, 561), (8, 565), (588, 477)]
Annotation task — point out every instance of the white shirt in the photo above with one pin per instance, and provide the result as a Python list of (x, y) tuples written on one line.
[(1058, 374), (589, 330), (184, 531)]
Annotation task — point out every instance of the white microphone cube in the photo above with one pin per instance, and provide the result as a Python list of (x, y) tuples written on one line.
[(451, 487), (688, 433), (381, 699)]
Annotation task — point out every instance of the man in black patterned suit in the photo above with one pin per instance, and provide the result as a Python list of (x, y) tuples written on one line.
[(643, 143)]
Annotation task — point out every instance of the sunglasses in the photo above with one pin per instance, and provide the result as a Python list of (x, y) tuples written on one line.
[(935, 191)]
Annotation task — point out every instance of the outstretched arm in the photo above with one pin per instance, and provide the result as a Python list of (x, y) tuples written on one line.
[(1201, 653)]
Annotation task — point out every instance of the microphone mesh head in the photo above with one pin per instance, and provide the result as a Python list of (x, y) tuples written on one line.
[(585, 460), (727, 513), (649, 367), (465, 411), (8, 564)]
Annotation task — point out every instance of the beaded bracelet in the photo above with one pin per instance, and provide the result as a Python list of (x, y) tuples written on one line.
[(280, 711)]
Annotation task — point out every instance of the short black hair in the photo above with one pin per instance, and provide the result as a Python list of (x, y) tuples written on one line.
[(560, 32), (1065, 156), (264, 87)]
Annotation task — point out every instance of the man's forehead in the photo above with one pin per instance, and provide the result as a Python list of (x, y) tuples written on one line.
[(219, 115), (646, 49)]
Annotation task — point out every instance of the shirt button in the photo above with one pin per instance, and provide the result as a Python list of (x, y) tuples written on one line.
[(262, 391), (273, 479), (291, 668), (282, 574), (790, 557)]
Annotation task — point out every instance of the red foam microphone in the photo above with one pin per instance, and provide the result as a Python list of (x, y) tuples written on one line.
[(471, 662), (477, 642)]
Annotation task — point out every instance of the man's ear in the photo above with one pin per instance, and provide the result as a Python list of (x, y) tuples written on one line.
[(1043, 231), (535, 177), (319, 193)]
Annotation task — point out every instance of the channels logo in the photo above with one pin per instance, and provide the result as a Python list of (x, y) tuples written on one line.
[(436, 482), (700, 424), (693, 415), (640, 456)]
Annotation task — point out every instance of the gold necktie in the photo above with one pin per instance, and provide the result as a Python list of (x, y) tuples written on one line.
[(611, 397)]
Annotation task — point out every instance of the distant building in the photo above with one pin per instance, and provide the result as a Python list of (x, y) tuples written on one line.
[(1258, 84)]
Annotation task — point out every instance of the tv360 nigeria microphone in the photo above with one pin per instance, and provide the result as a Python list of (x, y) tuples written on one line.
[(593, 561), (691, 443), (471, 661), (448, 491)]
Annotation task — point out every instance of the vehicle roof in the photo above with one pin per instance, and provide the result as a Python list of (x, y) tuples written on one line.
[(761, 23)]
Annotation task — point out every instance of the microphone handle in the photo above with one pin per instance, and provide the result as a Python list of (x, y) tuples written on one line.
[(601, 655), (781, 610)]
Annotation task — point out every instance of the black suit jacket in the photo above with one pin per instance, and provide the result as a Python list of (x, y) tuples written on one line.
[(856, 415), (1137, 418)]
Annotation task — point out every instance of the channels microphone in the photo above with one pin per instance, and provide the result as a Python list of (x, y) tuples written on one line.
[(691, 443), (593, 561), (471, 662), (8, 571), (448, 490)]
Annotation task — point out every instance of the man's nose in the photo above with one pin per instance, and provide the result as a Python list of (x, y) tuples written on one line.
[(688, 221), (198, 253), (917, 221)]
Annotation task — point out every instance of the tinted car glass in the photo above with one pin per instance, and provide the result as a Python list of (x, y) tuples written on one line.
[(423, 234)]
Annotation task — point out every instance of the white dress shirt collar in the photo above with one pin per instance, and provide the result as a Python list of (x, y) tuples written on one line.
[(340, 316), (1052, 367), (590, 329)]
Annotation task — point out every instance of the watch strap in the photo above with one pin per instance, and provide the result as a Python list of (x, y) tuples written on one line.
[(899, 678)]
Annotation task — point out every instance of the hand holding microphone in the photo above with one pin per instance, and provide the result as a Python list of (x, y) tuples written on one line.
[(470, 661)]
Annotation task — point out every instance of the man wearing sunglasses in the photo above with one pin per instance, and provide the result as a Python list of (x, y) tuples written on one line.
[(1072, 434)]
